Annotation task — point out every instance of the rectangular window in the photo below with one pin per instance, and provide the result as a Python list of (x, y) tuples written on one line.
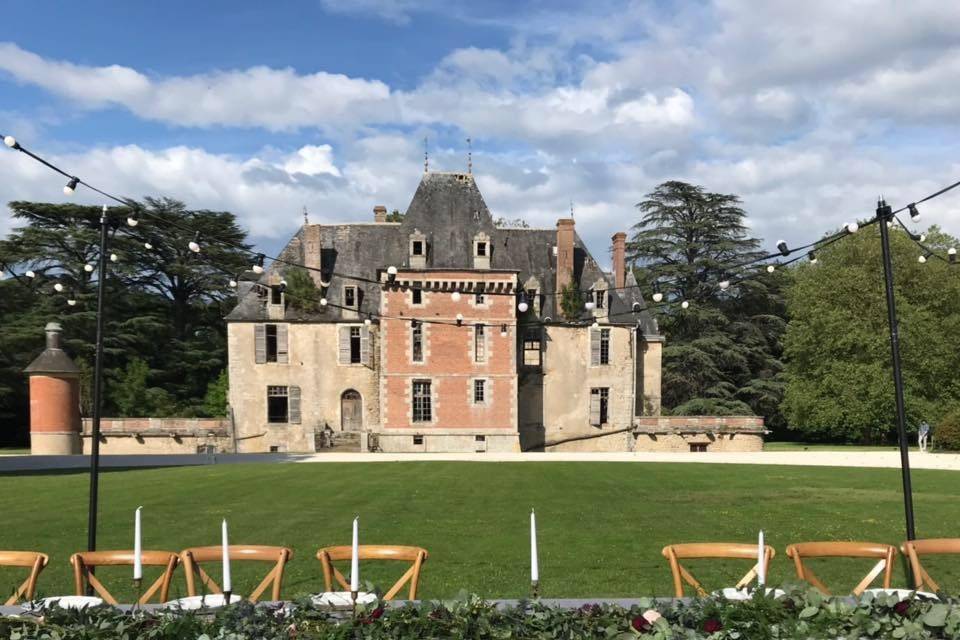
[(422, 402), (271, 332), (478, 298), (417, 293), (599, 296), (604, 346), (418, 247), (416, 341), (599, 406), (278, 404), (355, 345), (531, 347), (350, 297), (479, 391), (276, 295), (418, 440), (698, 447), (480, 438), (479, 343), (481, 248)]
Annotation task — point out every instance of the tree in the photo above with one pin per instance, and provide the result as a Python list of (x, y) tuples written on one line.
[(722, 354), (571, 301), (837, 346), (215, 401), (133, 396), (395, 216), (302, 291)]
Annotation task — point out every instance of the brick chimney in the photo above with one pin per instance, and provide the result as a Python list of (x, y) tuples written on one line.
[(379, 214), (565, 234), (54, 399), (620, 259)]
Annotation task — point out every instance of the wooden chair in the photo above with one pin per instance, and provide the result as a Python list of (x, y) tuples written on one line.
[(676, 552), (192, 558), (415, 555), (83, 561), (884, 554), (913, 549), (36, 561)]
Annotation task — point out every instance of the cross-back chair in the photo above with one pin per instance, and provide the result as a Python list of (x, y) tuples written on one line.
[(674, 553), (414, 555), (883, 553), (193, 557), (35, 561), (84, 561), (913, 549)]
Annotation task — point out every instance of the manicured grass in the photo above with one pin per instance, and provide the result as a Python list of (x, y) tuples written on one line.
[(602, 525), (817, 446), (4, 451)]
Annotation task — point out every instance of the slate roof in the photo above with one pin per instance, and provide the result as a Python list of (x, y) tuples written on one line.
[(449, 210)]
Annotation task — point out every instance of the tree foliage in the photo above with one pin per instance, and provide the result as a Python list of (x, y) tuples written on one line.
[(838, 340), (164, 304), (723, 353)]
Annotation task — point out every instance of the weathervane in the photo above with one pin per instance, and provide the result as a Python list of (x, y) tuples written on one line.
[(469, 156), (571, 208), (426, 156), (306, 217)]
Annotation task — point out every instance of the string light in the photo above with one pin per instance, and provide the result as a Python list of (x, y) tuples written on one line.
[(914, 212), (58, 287), (853, 227), (522, 306), (132, 220), (114, 257), (923, 258), (589, 305), (233, 284), (782, 247), (391, 273), (30, 274), (147, 245), (71, 186), (11, 142), (71, 302), (323, 302), (771, 268), (88, 268), (455, 296), (685, 305), (258, 265), (724, 285), (657, 296), (637, 307), (952, 255), (813, 257), (459, 319), (194, 244), (367, 322)]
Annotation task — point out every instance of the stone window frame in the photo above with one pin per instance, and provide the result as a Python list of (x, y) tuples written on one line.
[(294, 407), (366, 336), (418, 260), (282, 340), (356, 296), (434, 404), (597, 333), (424, 342), (541, 337), (487, 392), (486, 260), (603, 396), (480, 327), (478, 288), (418, 285)]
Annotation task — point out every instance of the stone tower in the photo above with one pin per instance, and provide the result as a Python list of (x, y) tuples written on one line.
[(54, 399)]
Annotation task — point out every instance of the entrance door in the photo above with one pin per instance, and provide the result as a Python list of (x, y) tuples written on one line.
[(351, 411)]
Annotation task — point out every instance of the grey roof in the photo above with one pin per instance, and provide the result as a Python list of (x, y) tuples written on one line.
[(53, 359), (449, 210)]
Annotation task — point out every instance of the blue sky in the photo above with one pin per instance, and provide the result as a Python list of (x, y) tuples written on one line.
[(807, 110)]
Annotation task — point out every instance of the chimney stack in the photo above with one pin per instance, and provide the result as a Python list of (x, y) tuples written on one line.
[(565, 235), (620, 259), (379, 214), (54, 399)]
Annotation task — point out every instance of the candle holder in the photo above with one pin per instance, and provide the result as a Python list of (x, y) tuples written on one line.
[(535, 589), (226, 598), (137, 590), (353, 602)]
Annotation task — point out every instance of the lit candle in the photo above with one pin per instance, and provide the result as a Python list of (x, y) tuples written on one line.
[(137, 547), (761, 562), (227, 586), (355, 557), (534, 564)]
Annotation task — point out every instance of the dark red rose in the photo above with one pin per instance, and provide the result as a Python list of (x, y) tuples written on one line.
[(712, 625), (902, 607), (374, 615), (641, 624), (789, 604)]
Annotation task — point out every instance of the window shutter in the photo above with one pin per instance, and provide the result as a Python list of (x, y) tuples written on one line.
[(594, 348), (294, 408), (344, 345), (365, 346), (283, 353), (260, 343), (595, 409)]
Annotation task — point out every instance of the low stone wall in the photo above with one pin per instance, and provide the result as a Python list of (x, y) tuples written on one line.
[(446, 441), (125, 436), (689, 433)]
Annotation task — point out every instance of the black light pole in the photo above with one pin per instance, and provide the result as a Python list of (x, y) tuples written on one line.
[(885, 215), (97, 390)]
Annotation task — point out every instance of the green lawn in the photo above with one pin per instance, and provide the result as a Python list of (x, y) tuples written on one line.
[(818, 446), (602, 525), (5, 451)]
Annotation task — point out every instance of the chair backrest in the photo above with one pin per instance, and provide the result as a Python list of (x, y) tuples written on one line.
[(85, 560), (35, 561), (416, 556), (913, 549), (194, 556), (699, 550), (884, 554)]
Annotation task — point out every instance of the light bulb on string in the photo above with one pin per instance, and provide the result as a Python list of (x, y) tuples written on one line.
[(194, 245), (724, 285), (914, 212), (71, 302), (88, 268), (366, 322), (657, 297), (952, 255), (636, 307), (114, 257), (503, 330), (523, 305), (852, 227), (771, 268), (58, 287), (782, 247), (812, 257), (132, 220), (922, 259), (455, 296), (71, 186), (596, 324), (30, 274), (589, 305), (684, 305), (923, 237), (323, 302), (391, 274), (459, 319), (10, 141), (258, 265)]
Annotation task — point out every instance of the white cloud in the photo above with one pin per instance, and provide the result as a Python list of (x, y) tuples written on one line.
[(312, 160)]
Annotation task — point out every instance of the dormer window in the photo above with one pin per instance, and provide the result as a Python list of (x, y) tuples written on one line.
[(350, 297), (417, 248), (599, 296), (481, 248)]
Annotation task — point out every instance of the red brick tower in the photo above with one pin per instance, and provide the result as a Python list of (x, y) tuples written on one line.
[(54, 399)]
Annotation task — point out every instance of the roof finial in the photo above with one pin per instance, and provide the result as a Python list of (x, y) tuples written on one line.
[(306, 217), (426, 156), (469, 156), (571, 208)]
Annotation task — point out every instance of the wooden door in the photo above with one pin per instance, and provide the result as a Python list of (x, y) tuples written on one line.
[(351, 411)]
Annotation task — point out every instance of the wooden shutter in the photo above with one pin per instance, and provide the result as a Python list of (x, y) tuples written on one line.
[(594, 408), (283, 349), (260, 343), (594, 347), (344, 345), (365, 346), (294, 405)]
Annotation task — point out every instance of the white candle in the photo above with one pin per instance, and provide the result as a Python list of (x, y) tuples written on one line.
[(137, 547), (355, 557), (761, 561), (227, 586), (534, 564)]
